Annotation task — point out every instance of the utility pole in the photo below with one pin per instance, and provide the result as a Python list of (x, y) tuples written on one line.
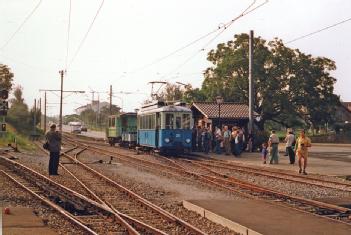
[(61, 98), (45, 112), (34, 116), (110, 99), (39, 107), (251, 38)]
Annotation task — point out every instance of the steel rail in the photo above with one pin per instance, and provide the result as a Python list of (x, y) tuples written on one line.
[(239, 183), (52, 205), (131, 221), (47, 184), (145, 202), (250, 186), (277, 175)]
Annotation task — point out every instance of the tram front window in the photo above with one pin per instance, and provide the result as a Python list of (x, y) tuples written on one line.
[(178, 122), (186, 121), (169, 121)]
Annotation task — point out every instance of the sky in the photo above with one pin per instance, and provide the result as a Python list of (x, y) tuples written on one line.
[(129, 35)]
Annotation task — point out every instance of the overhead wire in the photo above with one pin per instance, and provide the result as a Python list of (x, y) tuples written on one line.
[(21, 25), (86, 34), (220, 27), (318, 31), (226, 26)]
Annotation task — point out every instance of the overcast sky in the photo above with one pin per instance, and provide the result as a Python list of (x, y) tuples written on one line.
[(127, 35)]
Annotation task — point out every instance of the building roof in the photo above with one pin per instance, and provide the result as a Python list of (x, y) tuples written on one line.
[(347, 105), (228, 110)]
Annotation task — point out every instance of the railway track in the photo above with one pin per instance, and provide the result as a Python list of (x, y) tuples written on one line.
[(205, 174), (91, 217), (137, 211), (227, 165)]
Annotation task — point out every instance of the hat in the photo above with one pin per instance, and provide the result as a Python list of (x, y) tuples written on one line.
[(53, 125)]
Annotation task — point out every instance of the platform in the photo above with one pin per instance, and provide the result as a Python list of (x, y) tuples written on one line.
[(254, 217), (22, 221), (324, 159)]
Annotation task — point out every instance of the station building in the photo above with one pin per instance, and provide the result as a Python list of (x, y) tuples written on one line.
[(211, 114)]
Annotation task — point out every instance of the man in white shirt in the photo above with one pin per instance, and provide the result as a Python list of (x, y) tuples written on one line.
[(290, 139)]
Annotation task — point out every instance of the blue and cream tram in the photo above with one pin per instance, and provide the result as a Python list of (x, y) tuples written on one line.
[(165, 128)]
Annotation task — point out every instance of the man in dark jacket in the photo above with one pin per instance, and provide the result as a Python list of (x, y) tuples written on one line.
[(53, 138)]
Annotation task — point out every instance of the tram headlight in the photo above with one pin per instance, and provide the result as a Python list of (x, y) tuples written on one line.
[(188, 140), (167, 140)]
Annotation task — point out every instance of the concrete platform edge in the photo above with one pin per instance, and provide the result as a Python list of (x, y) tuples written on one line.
[(243, 230)]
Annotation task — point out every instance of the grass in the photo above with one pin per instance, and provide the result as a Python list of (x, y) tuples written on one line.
[(23, 142)]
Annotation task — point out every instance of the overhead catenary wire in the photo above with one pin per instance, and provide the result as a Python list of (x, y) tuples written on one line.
[(86, 34), (226, 26), (21, 26), (318, 31), (220, 27)]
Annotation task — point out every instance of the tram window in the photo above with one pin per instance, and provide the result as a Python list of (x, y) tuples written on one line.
[(186, 121), (178, 122), (113, 122), (169, 121)]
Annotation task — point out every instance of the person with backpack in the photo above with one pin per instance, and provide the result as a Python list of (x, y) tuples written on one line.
[(53, 140)]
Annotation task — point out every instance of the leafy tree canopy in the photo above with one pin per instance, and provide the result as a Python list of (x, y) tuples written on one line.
[(290, 86)]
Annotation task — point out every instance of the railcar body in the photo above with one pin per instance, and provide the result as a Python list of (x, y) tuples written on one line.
[(122, 129), (165, 128)]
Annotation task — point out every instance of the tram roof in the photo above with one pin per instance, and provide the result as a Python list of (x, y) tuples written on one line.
[(169, 108)]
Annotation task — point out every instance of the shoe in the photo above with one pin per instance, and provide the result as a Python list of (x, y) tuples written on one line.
[(264, 162), (300, 171), (304, 172)]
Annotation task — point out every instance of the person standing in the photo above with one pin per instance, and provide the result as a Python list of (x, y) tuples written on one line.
[(218, 139), (206, 140), (193, 137), (273, 144), (199, 138), (232, 140), (226, 140), (53, 139), (264, 153), (289, 139), (301, 147)]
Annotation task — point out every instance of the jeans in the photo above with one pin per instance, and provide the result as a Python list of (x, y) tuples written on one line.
[(291, 154), (218, 147), (54, 162), (274, 154)]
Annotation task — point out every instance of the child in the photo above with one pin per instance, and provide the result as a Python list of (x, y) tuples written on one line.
[(264, 152)]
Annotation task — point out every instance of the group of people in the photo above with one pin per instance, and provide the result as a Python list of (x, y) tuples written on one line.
[(231, 141), (294, 147)]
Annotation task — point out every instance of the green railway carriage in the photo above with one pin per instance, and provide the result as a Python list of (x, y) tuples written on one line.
[(122, 129)]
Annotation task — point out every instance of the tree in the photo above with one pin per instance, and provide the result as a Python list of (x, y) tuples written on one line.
[(18, 114), (186, 93), (290, 87), (6, 77)]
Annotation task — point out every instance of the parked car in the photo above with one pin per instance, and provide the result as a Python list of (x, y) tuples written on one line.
[(84, 128)]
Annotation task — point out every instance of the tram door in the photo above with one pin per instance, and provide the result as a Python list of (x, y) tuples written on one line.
[(158, 126)]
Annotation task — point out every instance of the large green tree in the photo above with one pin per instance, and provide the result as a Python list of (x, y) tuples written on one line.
[(290, 86), (18, 114)]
